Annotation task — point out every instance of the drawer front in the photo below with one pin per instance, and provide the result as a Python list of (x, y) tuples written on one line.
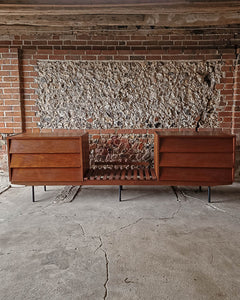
[(46, 175), (45, 160), (45, 146), (215, 160), (177, 144), (196, 174)]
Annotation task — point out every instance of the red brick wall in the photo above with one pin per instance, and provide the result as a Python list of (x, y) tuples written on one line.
[(19, 55)]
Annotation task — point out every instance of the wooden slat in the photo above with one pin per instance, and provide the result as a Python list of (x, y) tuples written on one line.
[(118, 163), (46, 174), (86, 177), (129, 174), (153, 174), (45, 146), (92, 174), (98, 174), (196, 174), (105, 174), (141, 174), (118, 174), (123, 173), (147, 174), (111, 176), (135, 174), (216, 160), (44, 160), (189, 144)]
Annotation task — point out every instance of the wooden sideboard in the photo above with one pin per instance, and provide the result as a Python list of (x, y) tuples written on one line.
[(48, 159), (191, 158), (180, 158)]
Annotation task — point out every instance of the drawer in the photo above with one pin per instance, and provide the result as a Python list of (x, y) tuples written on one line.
[(196, 174), (44, 160), (178, 144), (46, 175), (45, 146), (215, 160)]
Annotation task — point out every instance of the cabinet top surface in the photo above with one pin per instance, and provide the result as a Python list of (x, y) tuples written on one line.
[(67, 135), (194, 134)]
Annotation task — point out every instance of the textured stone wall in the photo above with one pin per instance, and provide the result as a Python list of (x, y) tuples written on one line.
[(121, 148), (102, 95)]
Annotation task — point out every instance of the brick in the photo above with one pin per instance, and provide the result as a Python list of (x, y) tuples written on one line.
[(56, 57), (13, 78), (92, 52), (105, 57), (121, 57), (108, 131), (123, 131), (5, 108), (4, 73), (227, 92), (12, 102), (11, 91), (140, 131), (93, 131), (12, 113), (89, 57), (154, 57), (10, 67), (27, 68), (4, 50), (134, 57), (13, 124), (226, 80), (7, 130)]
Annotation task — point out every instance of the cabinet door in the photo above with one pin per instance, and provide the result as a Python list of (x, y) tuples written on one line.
[(196, 161), (45, 161)]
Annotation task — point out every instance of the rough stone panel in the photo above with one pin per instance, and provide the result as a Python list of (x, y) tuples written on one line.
[(95, 95), (121, 148)]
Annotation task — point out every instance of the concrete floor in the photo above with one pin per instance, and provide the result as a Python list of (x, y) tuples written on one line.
[(154, 245)]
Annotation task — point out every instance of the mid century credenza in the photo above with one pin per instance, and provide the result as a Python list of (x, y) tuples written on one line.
[(180, 158)]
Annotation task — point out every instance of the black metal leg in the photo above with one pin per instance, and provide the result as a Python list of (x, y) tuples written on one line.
[(33, 194), (121, 187), (45, 188), (120, 193), (200, 188), (209, 194)]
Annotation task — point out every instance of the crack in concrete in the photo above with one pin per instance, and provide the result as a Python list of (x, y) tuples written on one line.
[(211, 205), (131, 224), (83, 232), (126, 280), (178, 193), (5, 189), (107, 275), (177, 211), (101, 243), (106, 264), (124, 227)]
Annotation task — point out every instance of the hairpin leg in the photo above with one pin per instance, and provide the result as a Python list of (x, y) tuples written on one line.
[(33, 194), (209, 194), (45, 188), (200, 188), (120, 193)]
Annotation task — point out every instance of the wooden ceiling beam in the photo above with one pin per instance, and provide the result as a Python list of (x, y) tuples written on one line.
[(163, 7), (174, 13), (168, 20)]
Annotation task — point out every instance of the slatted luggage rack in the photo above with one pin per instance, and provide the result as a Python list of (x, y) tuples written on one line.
[(120, 172), (180, 158)]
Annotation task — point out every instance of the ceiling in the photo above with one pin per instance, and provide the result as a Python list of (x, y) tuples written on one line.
[(85, 13)]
